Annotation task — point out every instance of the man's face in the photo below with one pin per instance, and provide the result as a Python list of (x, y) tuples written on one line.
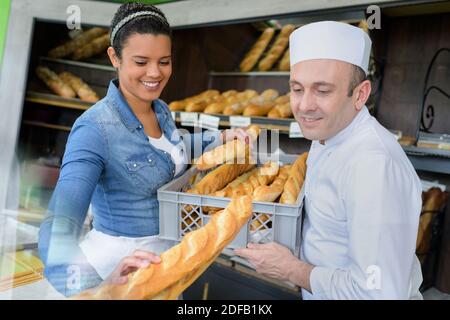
[(319, 99)]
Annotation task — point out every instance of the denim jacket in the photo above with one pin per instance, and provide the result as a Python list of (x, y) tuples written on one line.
[(110, 164)]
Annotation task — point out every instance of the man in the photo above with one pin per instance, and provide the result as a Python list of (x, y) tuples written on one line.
[(362, 195)]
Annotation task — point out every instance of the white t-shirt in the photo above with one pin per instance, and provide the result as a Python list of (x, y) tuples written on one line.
[(178, 155)]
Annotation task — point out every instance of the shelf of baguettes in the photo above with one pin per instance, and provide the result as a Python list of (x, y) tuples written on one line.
[(250, 74), (283, 125), (95, 64), (269, 108), (270, 52), (56, 101)]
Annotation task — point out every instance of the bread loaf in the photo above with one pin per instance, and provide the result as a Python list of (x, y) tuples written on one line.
[(220, 177), (281, 111), (294, 183), (252, 57), (177, 105), (277, 48), (182, 264), (79, 41), (285, 62), (96, 46), (264, 175), (52, 81), (79, 86), (258, 110), (270, 193), (234, 109), (235, 151), (216, 107), (434, 200)]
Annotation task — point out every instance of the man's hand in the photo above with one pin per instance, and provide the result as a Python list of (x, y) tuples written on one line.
[(139, 259), (276, 261)]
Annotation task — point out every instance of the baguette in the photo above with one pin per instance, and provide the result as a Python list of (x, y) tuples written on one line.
[(257, 110), (52, 81), (232, 151), (262, 176), (433, 202), (177, 105), (294, 183), (285, 62), (93, 48), (216, 107), (234, 109), (252, 57), (270, 193), (277, 48), (79, 41), (182, 264), (79, 86), (281, 111), (220, 177)]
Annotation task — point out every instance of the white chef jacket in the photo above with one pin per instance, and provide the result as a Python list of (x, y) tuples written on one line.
[(363, 203)]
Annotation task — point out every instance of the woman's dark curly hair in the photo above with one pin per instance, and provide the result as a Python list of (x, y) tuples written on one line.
[(153, 24)]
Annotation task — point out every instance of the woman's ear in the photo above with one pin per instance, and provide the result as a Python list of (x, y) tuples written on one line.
[(115, 61)]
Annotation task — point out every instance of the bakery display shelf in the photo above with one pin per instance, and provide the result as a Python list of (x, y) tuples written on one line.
[(56, 101), (250, 74), (46, 125), (283, 125), (84, 64), (428, 159)]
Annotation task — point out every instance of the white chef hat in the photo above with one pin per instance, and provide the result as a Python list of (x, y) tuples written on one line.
[(330, 40)]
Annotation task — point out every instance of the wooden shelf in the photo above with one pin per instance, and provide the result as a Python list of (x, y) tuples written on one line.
[(56, 101), (250, 74), (88, 65), (46, 125)]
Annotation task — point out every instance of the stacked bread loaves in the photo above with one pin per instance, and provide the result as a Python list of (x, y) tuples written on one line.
[(66, 84)]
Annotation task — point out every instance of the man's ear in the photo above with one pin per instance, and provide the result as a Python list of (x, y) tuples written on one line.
[(361, 94), (115, 61)]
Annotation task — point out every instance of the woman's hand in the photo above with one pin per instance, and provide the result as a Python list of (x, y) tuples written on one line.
[(139, 259), (238, 133)]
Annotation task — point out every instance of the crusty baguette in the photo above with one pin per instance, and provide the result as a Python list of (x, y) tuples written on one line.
[(79, 86), (96, 46), (277, 48), (281, 111), (216, 107), (52, 81), (220, 177), (234, 109), (285, 62), (283, 99), (264, 175), (182, 264), (235, 151), (294, 183), (270, 193), (79, 41), (177, 105), (252, 57), (257, 110)]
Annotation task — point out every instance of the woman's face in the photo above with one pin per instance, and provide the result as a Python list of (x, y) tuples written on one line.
[(145, 66)]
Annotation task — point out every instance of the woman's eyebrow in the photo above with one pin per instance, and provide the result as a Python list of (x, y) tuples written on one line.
[(143, 57)]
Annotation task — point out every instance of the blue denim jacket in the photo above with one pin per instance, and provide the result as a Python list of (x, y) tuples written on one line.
[(109, 163)]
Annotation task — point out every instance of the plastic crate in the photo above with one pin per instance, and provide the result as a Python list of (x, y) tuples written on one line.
[(181, 212)]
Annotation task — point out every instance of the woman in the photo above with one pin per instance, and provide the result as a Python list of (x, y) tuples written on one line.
[(118, 154)]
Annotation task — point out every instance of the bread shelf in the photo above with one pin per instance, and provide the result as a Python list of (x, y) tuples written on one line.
[(88, 65), (429, 159), (283, 125), (57, 101), (46, 125), (250, 74)]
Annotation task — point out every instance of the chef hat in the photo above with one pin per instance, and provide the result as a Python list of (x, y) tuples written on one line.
[(330, 40)]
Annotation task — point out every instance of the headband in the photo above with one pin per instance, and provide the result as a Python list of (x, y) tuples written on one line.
[(127, 19)]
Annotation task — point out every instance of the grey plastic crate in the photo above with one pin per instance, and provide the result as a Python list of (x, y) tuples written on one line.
[(181, 212)]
